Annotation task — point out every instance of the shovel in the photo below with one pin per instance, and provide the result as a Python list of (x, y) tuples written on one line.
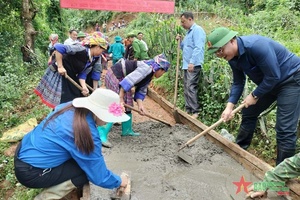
[(175, 113), (187, 158), (73, 82), (128, 106), (148, 115), (77, 85)]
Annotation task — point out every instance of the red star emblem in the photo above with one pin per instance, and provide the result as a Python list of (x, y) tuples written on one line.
[(242, 184)]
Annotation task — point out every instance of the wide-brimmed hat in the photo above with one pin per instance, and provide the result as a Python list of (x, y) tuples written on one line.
[(118, 38), (218, 38), (104, 103), (81, 34)]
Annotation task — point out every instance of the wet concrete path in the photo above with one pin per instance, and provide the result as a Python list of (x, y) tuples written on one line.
[(158, 173)]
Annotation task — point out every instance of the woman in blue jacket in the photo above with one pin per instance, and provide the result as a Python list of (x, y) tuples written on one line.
[(64, 151)]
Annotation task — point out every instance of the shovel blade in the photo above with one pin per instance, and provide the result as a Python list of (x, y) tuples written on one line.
[(176, 116), (188, 159)]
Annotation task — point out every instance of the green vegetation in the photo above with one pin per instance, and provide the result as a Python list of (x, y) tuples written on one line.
[(278, 19)]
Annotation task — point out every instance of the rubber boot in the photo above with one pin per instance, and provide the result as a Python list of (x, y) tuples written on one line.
[(127, 127), (56, 191), (103, 133), (283, 154), (244, 138)]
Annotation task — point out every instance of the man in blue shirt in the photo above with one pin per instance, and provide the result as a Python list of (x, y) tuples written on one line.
[(275, 71), (193, 48)]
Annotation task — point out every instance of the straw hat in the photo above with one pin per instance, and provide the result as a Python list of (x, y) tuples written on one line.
[(104, 103)]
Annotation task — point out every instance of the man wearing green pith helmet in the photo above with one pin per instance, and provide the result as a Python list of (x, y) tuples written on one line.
[(275, 71), (139, 49)]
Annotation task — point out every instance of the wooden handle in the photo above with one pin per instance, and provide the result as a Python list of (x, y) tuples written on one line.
[(128, 106), (90, 88), (148, 115), (76, 84), (73, 82), (177, 72), (210, 128)]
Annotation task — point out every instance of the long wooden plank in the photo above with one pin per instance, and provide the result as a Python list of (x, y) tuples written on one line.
[(250, 162)]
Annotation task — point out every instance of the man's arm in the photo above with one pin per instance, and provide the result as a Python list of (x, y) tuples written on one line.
[(288, 169)]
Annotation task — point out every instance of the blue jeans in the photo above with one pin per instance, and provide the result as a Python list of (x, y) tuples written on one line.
[(287, 94), (191, 86)]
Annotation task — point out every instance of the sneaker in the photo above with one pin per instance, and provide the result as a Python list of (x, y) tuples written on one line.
[(195, 115)]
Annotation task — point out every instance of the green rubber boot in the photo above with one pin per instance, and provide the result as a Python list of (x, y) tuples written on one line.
[(103, 133), (127, 127)]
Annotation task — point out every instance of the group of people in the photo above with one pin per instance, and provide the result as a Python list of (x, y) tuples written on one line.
[(76, 37), (64, 151), (132, 48), (272, 67), (120, 24), (104, 27)]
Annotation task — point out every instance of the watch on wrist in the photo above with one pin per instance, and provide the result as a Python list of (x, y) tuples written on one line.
[(255, 97)]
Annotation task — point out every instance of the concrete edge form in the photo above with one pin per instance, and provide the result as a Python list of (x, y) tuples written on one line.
[(250, 162), (253, 164)]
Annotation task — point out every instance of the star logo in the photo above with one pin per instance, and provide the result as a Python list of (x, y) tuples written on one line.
[(242, 185)]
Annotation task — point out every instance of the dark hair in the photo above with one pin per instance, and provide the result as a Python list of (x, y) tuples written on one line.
[(71, 31), (82, 133), (140, 33), (187, 15)]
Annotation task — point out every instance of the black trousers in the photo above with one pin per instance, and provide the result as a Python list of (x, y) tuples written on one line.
[(34, 177)]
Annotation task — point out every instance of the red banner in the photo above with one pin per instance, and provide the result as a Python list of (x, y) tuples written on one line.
[(155, 6)]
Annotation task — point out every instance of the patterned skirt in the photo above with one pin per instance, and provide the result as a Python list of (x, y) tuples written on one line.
[(50, 87), (112, 83)]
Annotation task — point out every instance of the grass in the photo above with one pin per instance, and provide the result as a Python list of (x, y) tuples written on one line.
[(22, 109)]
